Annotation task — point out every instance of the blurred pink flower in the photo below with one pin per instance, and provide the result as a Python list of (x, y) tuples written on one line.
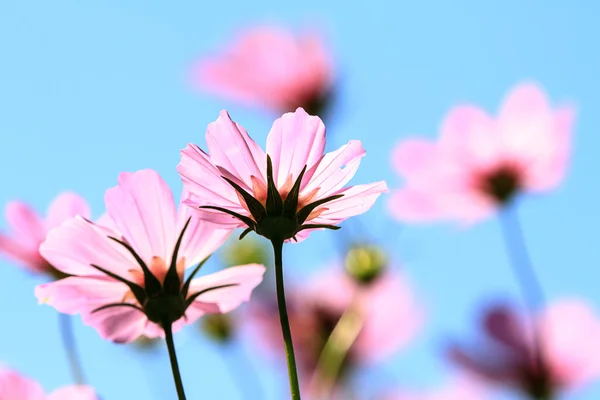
[(29, 229), (462, 388), (140, 262), (480, 162), (568, 332), (14, 386), (308, 186), (392, 317), (273, 68)]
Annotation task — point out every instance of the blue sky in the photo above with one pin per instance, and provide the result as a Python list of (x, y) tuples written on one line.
[(88, 90)]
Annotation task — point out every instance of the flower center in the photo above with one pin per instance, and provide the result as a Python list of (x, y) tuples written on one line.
[(502, 183)]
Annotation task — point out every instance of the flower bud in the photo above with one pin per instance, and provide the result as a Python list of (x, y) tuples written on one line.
[(218, 326), (246, 251), (365, 263)]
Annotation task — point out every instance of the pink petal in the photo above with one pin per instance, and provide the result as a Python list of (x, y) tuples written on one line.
[(245, 277), (65, 206), (143, 210), (201, 238), (468, 136), (415, 206), (15, 386), (232, 149), (119, 325), (522, 102), (27, 225), (204, 181), (413, 157), (74, 392), (330, 175), (295, 140), (78, 243), (29, 258)]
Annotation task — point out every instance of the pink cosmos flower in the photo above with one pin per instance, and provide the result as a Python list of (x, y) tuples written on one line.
[(14, 386), (316, 307), (462, 388), (286, 192), (129, 278), (567, 331), (29, 229), (272, 68), (482, 162)]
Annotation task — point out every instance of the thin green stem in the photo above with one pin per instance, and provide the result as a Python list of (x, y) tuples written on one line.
[(173, 357), (336, 349), (284, 320), (65, 324)]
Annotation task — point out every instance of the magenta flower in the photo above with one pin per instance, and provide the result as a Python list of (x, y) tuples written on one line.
[(129, 280), (285, 193), (29, 229), (316, 307), (461, 388), (567, 333), (480, 162), (15, 386), (273, 68)]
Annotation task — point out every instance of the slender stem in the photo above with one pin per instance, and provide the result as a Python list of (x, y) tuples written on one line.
[(524, 272), (173, 357), (284, 320), (336, 349), (65, 325)]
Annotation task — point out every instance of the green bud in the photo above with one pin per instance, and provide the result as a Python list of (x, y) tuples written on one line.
[(246, 251), (218, 326), (365, 263)]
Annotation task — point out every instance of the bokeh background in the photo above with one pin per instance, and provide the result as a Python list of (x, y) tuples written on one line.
[(90, 89)]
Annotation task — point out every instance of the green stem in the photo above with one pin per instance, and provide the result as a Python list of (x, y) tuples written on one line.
[(68, 340), (173, 357), (284, 320), (336, 349)]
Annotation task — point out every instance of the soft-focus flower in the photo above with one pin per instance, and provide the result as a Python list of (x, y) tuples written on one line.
[(14, 386), (463, 388), (482, 162), (130, 278), (566, 332), (390, 314), (281, 194), (29, 229), (272, 68)]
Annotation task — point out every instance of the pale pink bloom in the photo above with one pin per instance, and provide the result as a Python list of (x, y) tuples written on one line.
[(14, 386), (482, 162), (462, 388), (145, 217), (272, 68), (295, 145), (29, 229), (567, 331), (392, 317)]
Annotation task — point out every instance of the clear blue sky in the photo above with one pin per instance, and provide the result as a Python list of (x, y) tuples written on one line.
[(89, 89)]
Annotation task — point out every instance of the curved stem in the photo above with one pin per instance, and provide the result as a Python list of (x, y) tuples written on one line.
[(524, 272), (65, 325), (284, 320), (336, 349), (173, 357)]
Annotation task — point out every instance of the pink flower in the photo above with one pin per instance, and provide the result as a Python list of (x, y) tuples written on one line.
[(568, 333), (462, 388), (481, 163), (316, 307), (285, 193), (29, 229), (128, 279), (14, 386), (272, 68)]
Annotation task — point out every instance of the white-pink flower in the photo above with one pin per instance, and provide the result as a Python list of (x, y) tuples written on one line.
[(14, 386), (29, 229), (286, 192), (482, 162), (128, 277), (270, 67)]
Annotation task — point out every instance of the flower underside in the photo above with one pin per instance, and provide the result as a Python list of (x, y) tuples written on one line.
[(279, 218), (162, 302)]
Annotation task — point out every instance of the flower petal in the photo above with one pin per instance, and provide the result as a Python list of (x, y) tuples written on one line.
[(143, 210), (27, 226), (65, 206), (295, 140), (16, 386)]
